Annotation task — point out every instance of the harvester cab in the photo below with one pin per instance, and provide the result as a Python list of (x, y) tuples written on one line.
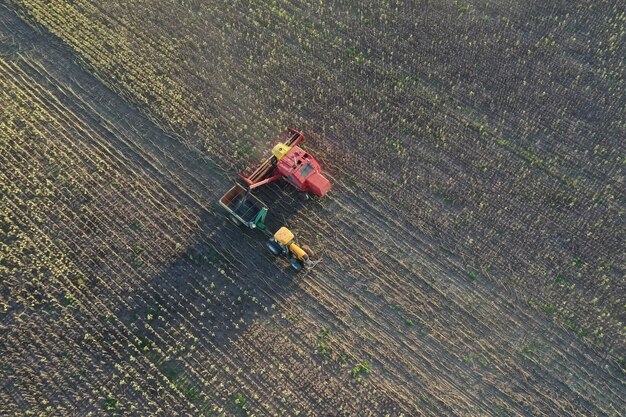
[(300, 169), (284, 243)]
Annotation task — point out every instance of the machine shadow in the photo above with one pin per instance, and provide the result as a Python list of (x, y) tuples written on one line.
[(223, 283)]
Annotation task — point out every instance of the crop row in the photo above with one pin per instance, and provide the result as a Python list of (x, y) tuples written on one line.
[(68, 209), (488, 183), (465, 350)]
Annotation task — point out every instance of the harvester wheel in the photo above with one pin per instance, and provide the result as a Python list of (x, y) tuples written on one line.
[(273, 247), (295, 264), (303, 195), (307, 250), (235, 220)]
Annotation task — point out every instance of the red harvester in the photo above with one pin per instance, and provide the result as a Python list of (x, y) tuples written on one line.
[(292, 163)]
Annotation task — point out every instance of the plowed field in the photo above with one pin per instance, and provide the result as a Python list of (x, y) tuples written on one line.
[(471, 251)]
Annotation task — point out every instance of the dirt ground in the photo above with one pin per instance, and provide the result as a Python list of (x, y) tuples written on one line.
[(467, 260)]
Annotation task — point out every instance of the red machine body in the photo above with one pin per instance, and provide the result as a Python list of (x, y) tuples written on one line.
[(302, 171), (295, 165)]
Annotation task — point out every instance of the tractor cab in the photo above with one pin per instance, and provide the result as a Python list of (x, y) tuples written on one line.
[(284, 243)]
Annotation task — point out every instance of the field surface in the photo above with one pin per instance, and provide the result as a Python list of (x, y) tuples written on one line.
[(471, 253)]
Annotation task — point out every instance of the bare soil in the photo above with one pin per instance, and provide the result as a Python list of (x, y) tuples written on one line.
[(469, 252)]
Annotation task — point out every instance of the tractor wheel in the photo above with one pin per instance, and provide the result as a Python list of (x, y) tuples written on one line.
[(307, 250), (295, 264), (274, 247)]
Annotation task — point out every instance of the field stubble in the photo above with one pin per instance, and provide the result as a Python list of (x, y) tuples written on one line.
[(442, 272)]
